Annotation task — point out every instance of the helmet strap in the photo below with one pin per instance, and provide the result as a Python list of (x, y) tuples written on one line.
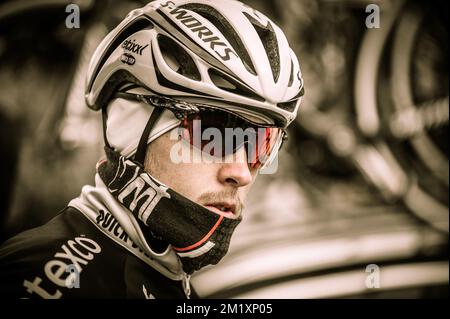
[(104, 120), (139, 156)]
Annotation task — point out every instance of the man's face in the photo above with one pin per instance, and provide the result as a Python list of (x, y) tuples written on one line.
[(220, 187)]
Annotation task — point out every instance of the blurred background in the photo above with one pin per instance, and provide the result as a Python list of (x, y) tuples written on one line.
[(359, 205)]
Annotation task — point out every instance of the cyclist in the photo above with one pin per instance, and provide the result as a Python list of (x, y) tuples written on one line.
[(166, 77)]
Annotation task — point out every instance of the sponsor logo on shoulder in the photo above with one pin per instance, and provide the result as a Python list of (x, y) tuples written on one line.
[(111, 226), (65, 269)]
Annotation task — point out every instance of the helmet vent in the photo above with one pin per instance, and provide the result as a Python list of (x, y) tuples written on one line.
[(222, 24), (177, 58), (291, 78), (226, 83), (270, 43), (290, 105)]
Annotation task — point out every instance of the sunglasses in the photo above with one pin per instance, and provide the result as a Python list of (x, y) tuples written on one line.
[(220, 133)]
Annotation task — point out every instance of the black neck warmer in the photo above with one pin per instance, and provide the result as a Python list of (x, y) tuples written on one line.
[(199, 237)]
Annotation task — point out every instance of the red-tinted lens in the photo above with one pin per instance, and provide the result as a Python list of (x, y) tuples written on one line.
[(260, 152), (220, 134)]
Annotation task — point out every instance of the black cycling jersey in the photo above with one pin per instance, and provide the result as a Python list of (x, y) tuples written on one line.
[(69, 257)]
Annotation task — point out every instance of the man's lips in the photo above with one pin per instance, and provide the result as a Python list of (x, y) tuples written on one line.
[(224, 209)]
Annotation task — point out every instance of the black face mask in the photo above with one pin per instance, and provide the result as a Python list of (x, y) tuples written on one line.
[(199, 237)]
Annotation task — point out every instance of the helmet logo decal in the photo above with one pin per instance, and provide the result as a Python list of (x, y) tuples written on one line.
[(200, 30), (132, 46), (127, 59)]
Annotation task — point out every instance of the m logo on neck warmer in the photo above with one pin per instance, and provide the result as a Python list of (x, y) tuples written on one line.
[(199, 236), (136, 190)]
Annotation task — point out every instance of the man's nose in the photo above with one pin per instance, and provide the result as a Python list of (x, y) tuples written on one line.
[(235, 169)]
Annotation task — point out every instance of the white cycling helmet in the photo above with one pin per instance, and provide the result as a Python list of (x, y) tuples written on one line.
[(221, 54)]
